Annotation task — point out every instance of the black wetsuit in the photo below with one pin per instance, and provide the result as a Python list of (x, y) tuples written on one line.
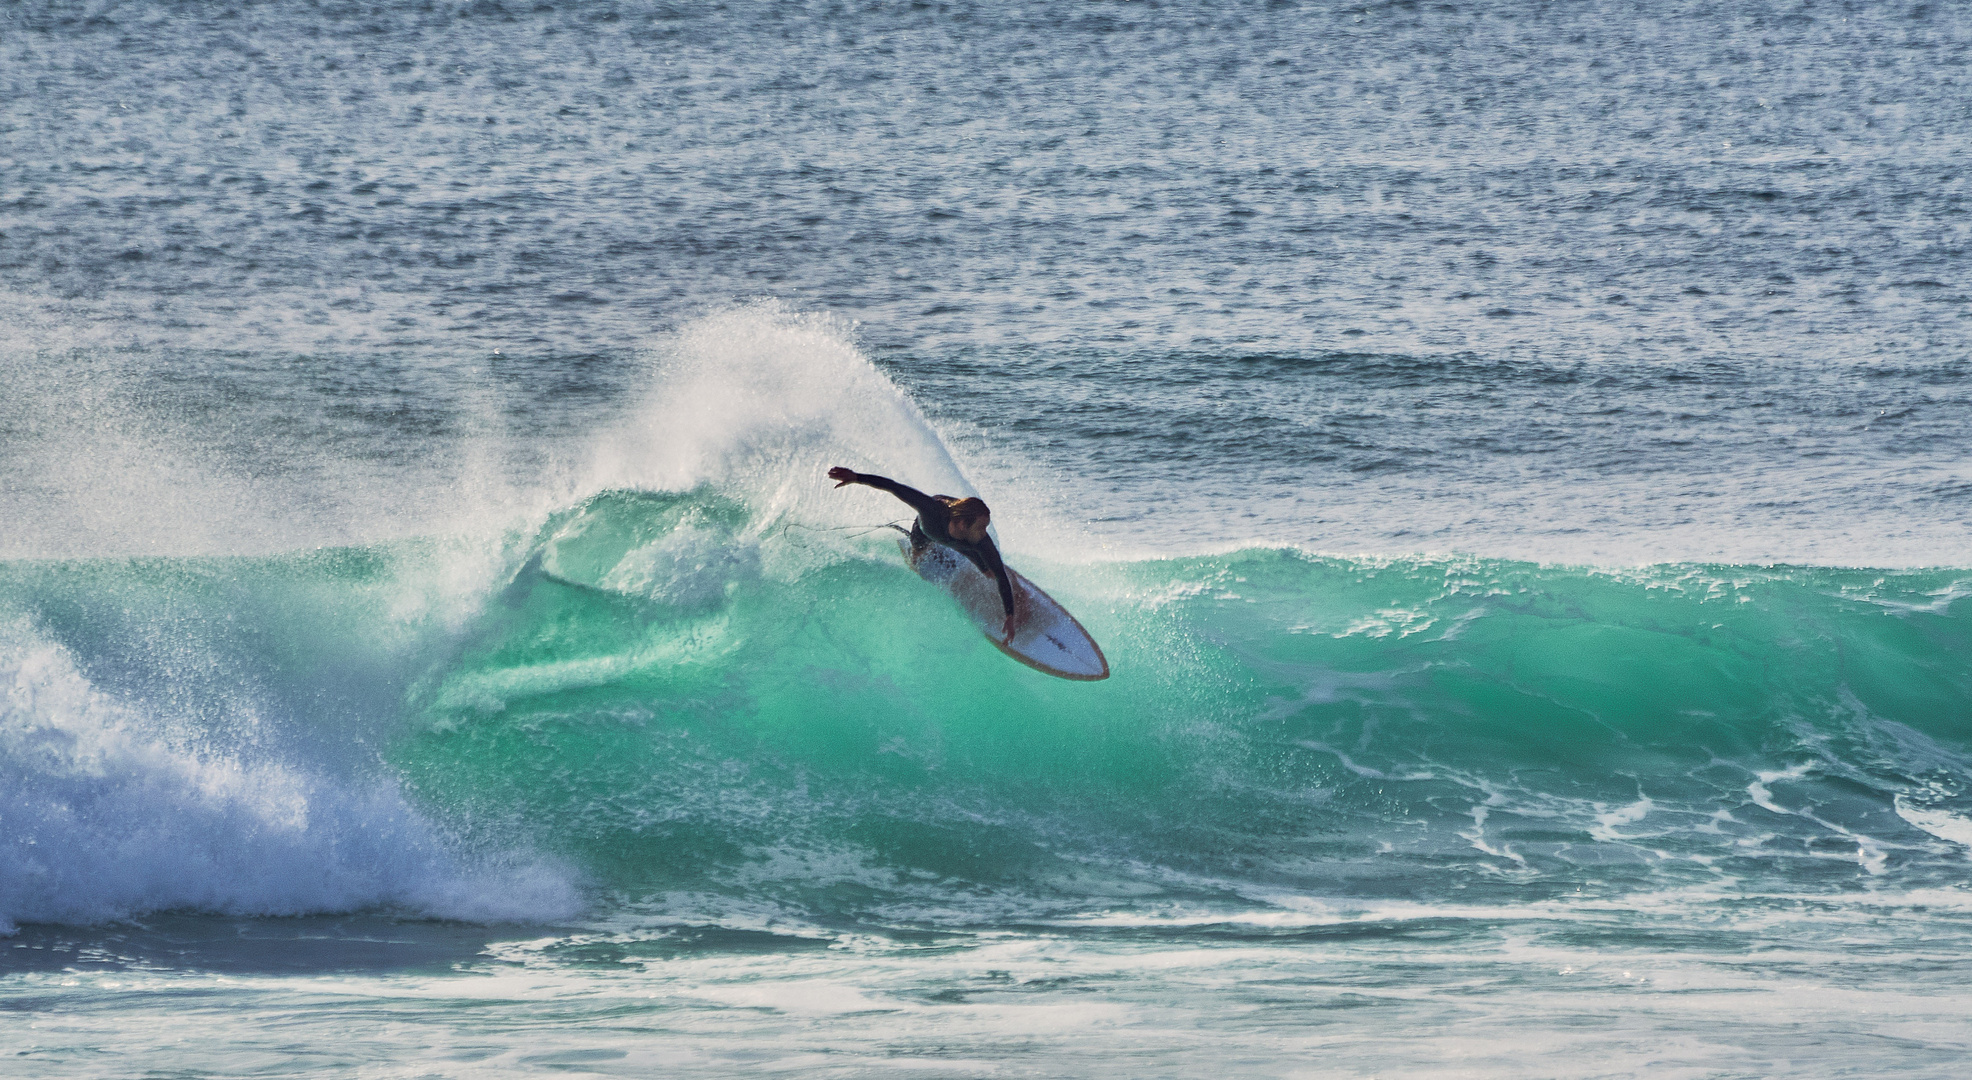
[(934, 511)]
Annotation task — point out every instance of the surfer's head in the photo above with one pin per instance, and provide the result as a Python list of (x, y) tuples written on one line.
[(968, 520)]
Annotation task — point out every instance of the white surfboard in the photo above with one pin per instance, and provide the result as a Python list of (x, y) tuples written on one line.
[(1045, 638)]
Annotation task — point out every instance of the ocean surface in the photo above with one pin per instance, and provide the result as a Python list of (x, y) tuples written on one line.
[(1517, 458)]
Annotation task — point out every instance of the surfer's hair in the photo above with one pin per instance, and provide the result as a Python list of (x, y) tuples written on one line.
[(968, 520)]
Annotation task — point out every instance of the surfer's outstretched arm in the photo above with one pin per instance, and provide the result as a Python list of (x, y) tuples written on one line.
[(959, 524), (917, 500)]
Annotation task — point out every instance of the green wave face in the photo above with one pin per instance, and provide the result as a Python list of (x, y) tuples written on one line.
[(669, 699), (688, 704)]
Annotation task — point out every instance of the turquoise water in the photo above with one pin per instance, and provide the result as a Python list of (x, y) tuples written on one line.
[(763, 796), (1514, 458), (669, 697)]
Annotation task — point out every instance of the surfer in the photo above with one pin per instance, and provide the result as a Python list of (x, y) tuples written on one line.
[(959, 524)]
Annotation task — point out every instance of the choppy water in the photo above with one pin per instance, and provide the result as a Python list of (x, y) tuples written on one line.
[(1515, 459)]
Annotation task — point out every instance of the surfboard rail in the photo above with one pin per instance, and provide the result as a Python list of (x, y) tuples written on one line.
[(1046, 637)]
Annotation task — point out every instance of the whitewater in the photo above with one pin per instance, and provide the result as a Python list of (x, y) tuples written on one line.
[(1515, 462)]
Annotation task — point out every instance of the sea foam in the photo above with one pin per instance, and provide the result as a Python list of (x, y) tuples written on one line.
[(110, 810)]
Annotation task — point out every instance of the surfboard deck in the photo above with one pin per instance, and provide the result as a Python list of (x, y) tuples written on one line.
[(1047, 639)]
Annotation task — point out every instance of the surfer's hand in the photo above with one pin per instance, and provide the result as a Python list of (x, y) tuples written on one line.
[(842, 475), (1007, 631)]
